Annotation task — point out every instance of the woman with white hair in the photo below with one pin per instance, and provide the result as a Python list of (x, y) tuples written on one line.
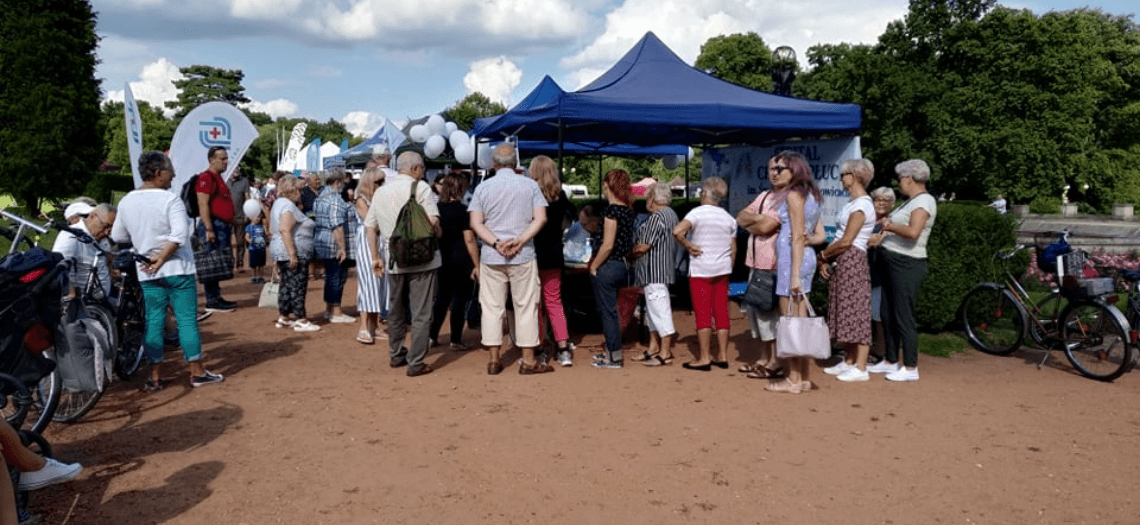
[(844, 264), (903, 240), (653, 272), (884, 200), (371, 291), (712, 250)]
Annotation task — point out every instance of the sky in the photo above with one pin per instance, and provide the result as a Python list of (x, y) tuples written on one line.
[(359, 61)]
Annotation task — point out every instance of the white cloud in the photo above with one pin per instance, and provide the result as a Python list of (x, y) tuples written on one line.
[(778, 23), (495, 77), (362, 123), (155, 85), (468, 27), (275, 108)]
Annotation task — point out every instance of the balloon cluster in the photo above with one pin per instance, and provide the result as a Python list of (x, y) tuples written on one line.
[(436, 135)]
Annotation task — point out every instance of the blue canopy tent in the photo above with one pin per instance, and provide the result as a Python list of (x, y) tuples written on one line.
[(388, 135), (651, 96)]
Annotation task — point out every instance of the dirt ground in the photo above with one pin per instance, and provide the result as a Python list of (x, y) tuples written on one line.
[(317, 429)]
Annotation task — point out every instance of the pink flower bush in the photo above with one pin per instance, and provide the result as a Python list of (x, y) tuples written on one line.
[(1128, 261)]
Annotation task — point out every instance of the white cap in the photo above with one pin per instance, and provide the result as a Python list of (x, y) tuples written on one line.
[(77, 208), (379, 149)]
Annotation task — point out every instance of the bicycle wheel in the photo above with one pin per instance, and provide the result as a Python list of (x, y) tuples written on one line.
[(132, 326), (1048, 312), (993, 320), (45, 397), (1096, 341), (73, 405)]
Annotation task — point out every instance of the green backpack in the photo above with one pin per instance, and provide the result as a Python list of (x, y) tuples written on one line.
[(413, 242)]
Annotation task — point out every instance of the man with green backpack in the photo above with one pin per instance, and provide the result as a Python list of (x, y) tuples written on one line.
[(406, 218)]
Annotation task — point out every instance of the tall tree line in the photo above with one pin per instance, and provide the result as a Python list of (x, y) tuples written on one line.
[(997, 100)]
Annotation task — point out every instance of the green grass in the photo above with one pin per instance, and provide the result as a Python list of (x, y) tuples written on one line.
[(943, 344)]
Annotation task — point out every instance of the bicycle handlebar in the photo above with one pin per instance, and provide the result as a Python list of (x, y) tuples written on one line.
[(1009, 255), (25, 222)]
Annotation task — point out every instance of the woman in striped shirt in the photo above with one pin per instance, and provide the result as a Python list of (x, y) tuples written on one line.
[(654, 252)]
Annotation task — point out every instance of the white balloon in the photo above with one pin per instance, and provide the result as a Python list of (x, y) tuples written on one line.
[(465, 154), (486, 157), (419, 133), (436, 125), (458, 138), (691, 153), (671, 161), (434, 146), (451, 127), (251, 208)]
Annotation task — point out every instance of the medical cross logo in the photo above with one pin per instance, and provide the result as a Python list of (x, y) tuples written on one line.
[(214, 132)]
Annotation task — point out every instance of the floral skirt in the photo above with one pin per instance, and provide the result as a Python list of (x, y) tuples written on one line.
[(849, 304)]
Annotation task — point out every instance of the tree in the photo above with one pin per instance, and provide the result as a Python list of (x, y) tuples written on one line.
[(202, 84), (158, 131), (998, 100), (50, 136), (742, 59), (471, 107)]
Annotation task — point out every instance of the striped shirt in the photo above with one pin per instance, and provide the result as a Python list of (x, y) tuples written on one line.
[(331, 212), (656, 267)]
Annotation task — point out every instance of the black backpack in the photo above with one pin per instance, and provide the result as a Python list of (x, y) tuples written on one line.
[(190, 197)]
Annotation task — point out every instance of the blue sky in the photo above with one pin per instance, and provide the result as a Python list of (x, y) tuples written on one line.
[(358, 60)]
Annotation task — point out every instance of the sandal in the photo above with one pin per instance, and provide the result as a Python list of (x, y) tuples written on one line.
[(645, 356), (494, 368), (784, 387), (657, 360), (750, 368), (154, 386), (364, 337), (766, 373)]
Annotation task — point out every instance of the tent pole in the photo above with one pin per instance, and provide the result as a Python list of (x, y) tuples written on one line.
[(687, 196), (561, 166)]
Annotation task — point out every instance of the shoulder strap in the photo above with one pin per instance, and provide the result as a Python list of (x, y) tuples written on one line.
[(412, 195)]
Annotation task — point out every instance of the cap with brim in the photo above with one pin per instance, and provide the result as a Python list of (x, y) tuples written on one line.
[(77, 208)]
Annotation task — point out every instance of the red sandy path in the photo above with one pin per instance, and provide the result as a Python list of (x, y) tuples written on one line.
[(316, 428)]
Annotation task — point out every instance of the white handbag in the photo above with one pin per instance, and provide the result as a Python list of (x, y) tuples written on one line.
[(802, 336)]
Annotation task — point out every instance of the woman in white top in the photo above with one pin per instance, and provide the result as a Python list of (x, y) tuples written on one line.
[(904, 238), (712, 250), (844, 265), (154, 221)]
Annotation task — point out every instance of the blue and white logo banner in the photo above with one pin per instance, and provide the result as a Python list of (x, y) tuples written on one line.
[(211, 124), (745, 168), (133, 121)]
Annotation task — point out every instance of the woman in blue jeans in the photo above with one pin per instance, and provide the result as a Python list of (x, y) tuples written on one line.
[(154, 221), (609, 271), (335, 227)]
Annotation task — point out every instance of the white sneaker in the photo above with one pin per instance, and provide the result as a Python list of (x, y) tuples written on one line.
[(342, 318), (838, 369), (854, 375), (883, 367), (284, 322), (52, 473), (904, 374), (303, 325)]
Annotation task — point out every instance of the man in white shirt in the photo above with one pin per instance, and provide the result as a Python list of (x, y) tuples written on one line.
[(413, 286), (97, 223), (507, 211)]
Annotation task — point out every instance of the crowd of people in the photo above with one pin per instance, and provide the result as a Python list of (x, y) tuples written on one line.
[(503, 250)]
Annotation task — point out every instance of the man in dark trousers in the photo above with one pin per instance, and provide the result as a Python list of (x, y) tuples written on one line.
[(216, 215)]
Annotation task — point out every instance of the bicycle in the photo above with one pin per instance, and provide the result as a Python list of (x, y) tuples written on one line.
[(32, 409), (122, 317), (1075, 317)]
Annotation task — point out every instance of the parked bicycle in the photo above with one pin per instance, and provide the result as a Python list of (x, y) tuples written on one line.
[(1077, 317), (31, 284), (121, 315)]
